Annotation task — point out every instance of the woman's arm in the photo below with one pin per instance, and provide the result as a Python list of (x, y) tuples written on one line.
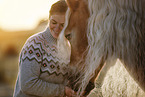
[(29, 72)]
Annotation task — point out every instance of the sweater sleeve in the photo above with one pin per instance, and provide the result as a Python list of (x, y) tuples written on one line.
[(29, 72)]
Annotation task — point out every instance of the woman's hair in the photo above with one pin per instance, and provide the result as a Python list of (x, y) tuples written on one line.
[(58, 7)]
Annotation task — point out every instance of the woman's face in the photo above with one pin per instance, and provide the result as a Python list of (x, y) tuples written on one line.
[(56, 24)]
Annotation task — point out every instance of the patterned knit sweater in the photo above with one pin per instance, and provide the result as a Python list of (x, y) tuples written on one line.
[(40, 71)]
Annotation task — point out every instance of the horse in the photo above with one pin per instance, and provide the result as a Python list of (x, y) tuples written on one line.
[(103, 31)]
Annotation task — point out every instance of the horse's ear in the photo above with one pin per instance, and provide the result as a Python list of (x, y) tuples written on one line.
[(72, 4)]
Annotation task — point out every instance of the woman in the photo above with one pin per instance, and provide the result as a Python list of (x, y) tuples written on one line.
[(40, 73)]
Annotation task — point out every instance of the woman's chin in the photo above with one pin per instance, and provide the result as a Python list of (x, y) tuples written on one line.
[(55, 34)]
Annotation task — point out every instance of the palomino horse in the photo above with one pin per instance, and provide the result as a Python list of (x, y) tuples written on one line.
[(103, 31)]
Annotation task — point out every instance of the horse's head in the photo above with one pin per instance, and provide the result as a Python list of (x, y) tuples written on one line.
[(107, 29), (76, 21)]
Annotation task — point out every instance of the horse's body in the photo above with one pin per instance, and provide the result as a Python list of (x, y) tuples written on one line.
[(104, 31)]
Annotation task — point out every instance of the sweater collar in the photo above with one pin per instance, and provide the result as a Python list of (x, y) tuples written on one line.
[(49, 37)]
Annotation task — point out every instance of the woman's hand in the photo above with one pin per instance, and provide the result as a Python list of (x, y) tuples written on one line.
[(69, 92)]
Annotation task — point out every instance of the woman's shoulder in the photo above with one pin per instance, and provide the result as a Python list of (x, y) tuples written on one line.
[(33, 46), (38, 41), (38, 37), (35, 41), (32, 49)]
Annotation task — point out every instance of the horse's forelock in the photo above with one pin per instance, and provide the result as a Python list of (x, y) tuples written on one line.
[(63, 45)]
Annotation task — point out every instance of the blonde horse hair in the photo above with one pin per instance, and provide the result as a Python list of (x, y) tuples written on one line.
[(113, 30), (63, 45), (114, 27)]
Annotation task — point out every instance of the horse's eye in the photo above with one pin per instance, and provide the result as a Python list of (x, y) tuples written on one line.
[(68, 36), (62, 25)]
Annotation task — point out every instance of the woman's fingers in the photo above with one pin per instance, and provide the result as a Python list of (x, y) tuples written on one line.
[(69, 92)]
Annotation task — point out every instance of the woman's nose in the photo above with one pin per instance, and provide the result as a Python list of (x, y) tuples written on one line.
[(57, 28)]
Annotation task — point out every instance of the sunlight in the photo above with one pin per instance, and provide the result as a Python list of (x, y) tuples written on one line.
[(1, 1), (23, 14)]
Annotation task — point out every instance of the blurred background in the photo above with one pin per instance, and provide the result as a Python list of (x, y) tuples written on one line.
[(19, 19)]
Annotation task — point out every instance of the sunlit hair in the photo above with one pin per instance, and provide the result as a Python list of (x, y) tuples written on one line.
[(63, 45), (114, 29), (60, 7)]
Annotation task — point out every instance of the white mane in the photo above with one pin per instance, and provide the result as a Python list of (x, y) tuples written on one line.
[(63, 45), (113, 31)]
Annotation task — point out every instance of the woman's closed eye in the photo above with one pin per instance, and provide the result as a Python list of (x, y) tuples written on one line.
[(53, 22)]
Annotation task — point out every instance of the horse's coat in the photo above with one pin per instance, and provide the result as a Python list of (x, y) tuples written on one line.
[(104, 30)]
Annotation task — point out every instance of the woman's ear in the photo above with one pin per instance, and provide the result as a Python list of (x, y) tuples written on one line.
[(73, 4)]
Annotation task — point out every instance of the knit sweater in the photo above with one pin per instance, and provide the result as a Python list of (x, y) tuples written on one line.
[(40, 71)]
